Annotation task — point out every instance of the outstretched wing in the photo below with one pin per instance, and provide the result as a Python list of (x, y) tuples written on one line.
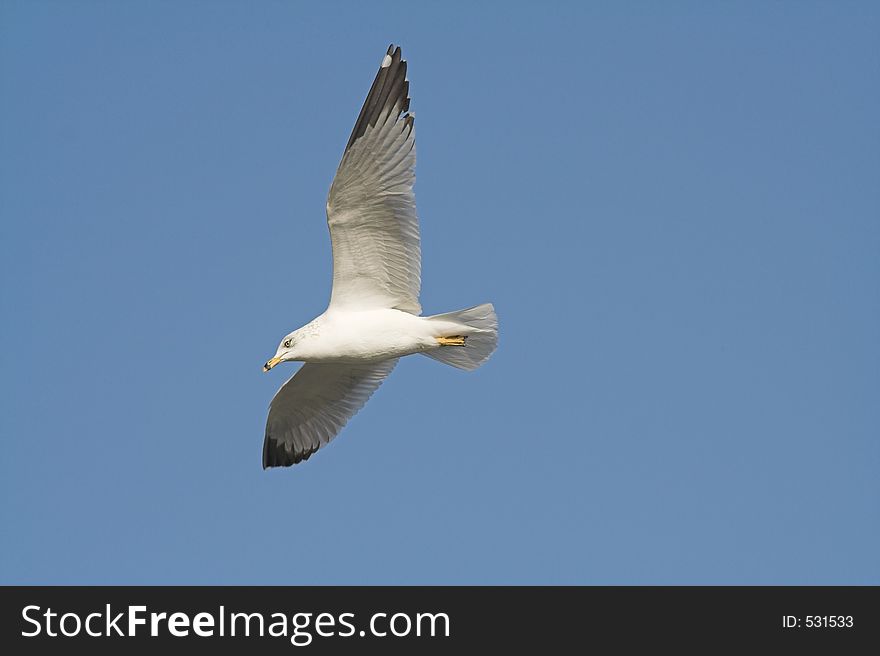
[(312, 407), (371, 209)]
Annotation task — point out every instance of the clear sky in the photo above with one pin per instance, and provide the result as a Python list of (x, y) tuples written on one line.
[(675, 210)]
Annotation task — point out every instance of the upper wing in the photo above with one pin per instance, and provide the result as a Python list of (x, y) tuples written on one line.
[(371, 209), (313, 406)]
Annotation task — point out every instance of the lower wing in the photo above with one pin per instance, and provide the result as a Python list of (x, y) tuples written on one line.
[(312, 407)]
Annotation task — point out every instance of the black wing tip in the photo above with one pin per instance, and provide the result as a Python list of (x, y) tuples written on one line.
[(390, 88), (281, 454)]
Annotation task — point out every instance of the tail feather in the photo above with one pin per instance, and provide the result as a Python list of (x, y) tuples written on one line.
[(479, 325)]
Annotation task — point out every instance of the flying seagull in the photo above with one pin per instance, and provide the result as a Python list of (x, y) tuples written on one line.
[(372, 319)]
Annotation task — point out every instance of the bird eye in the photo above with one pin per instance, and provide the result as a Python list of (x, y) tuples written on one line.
[(286, 343)]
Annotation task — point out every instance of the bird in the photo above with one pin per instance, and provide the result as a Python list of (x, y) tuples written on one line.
[(373, 317)]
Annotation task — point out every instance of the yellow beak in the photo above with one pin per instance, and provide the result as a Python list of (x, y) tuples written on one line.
[(271, 363)]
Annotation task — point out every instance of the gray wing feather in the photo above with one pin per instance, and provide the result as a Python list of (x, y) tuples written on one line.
[(312, 407), (371, 208)]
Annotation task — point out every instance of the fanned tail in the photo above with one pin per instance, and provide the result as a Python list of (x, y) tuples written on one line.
[(469, 336)]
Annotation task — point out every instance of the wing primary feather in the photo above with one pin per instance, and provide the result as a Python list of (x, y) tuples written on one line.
[(390, 88)]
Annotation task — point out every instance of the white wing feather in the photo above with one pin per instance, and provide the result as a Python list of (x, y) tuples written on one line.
[(312, 407), (371, 207)]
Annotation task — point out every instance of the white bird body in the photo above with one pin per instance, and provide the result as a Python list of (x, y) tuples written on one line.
[(365, 336), (373, 316)]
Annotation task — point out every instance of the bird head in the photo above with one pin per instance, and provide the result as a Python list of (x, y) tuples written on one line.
[(286, 351)]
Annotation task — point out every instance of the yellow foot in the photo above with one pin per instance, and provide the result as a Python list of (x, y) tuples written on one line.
[(455, 340)]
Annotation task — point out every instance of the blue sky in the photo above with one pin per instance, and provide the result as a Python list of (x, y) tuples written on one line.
[(674, 209)]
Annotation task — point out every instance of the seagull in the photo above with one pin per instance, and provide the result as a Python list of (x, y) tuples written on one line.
[(374, 316)]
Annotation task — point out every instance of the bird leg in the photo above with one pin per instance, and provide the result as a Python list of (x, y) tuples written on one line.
[(455, 340)]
